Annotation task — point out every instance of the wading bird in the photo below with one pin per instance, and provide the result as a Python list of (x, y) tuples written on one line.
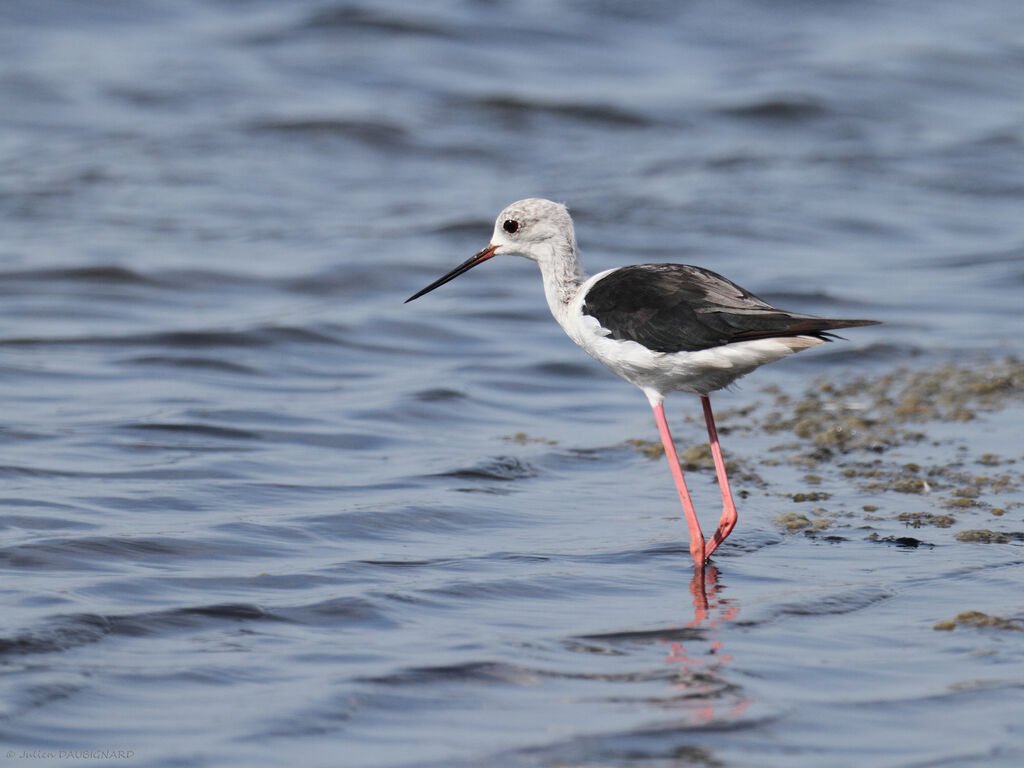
[(663, 327)]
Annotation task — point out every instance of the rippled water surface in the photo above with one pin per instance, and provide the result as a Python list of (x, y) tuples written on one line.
[(256, 511)]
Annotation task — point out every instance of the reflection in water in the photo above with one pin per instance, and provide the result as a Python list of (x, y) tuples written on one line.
[(700, 673)]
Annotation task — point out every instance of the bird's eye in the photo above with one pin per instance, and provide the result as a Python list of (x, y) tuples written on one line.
[(510, 225)]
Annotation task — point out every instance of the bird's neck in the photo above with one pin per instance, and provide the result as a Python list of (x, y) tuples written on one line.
[(563, 276)]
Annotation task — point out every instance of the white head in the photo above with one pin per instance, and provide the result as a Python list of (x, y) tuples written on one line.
[(535, 228)]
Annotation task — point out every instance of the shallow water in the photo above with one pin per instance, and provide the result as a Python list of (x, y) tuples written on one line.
[(255, 511)]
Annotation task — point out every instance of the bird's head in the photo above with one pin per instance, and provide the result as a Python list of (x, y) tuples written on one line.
[(534, 228)]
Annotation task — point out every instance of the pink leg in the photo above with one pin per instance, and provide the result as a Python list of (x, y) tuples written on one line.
[(729, 516), (696, 536)]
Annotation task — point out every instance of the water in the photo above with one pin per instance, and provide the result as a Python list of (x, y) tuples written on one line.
[(256, 511)]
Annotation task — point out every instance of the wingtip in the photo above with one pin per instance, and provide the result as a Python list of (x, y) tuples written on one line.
[(844, 323)]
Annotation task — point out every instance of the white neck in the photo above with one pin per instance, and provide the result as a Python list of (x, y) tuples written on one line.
[(563, 275)]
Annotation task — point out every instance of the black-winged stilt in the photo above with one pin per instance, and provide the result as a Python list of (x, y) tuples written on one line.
[(663, 327)]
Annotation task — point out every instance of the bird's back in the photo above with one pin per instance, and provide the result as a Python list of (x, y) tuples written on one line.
[(682, 308)]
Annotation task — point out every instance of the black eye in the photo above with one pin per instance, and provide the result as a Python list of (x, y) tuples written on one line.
[(510, 225)]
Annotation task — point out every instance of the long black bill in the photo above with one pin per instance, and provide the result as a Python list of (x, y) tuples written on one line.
[(465, 266)]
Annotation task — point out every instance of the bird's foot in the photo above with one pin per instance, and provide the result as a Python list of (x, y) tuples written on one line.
[(724, 529)]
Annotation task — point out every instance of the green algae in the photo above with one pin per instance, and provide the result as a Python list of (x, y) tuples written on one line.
[(919, 519), (854, 425), (985, 536), (521, 438), (979, 619), (876, 414), (992, 460), (812, 496), (796, 522), (649, 448), (877, 435), (698, 458), (793, 521)]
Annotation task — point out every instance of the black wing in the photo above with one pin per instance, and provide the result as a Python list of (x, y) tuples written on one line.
[(676, 308)]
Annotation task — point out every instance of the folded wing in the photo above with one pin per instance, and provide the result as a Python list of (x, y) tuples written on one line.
[(681, 308)]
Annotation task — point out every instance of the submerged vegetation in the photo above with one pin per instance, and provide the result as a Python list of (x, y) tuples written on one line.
[(979, 619), (878, 446), (874, 456)]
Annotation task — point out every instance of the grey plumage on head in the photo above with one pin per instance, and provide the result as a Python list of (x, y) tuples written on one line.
[(539, 219)]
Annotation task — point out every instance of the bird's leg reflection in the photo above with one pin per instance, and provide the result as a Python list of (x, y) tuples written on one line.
[(704, 590), (698, 588), (700, 674)]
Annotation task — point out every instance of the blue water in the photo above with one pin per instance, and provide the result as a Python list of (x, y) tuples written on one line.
[(256, 511)]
